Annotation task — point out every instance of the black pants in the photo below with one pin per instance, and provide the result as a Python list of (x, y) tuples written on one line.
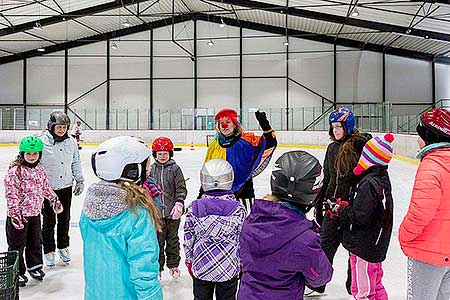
[(331, 238), (49, 222), (204, 290), (169, 243), (29, 239)]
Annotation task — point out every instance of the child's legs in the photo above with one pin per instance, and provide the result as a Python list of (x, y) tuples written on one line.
[(63, 225), (48, 227), (424, 280), (162, 241), (227, 290), (173, 243), (444, 289), (17, 240), (33, 250), (366, 279), (203, 290)]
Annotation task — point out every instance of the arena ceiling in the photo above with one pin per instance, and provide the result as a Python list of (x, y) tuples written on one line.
[(414, 29)]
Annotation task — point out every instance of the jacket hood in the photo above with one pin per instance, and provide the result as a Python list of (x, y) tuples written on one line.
[(104, 200), (272, 225)]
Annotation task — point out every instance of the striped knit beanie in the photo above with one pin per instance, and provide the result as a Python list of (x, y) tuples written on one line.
[(377, 151)]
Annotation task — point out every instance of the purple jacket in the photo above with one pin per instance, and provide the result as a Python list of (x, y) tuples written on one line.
[(279, 251), (211, 236)]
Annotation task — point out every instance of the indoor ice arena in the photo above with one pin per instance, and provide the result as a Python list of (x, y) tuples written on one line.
[(224, 149)]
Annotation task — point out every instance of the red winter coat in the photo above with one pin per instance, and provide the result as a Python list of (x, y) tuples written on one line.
[(424, 234)]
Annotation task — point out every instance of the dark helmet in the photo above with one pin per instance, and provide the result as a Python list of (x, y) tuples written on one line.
[(58, 118), (434, 126), (297, 178)]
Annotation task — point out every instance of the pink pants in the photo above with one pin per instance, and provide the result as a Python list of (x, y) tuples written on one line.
[(366, 279)]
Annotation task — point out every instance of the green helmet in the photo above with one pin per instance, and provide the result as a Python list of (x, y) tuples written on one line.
[(31, 144)]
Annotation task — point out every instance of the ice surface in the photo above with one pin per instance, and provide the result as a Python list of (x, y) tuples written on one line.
[(66, 282)]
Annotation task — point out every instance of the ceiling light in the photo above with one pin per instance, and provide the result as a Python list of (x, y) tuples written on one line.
[(114, 46), (210, 43), (355, 12), (37, 26), (408, 31), (126, 23), (286, 43), (222, 23), (426, 37), (40, 49)]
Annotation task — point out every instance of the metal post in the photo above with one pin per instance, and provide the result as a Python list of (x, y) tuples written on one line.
[(108, 83), (334, 76), (66, 79), (151, 79), (433, 83), (287, 81), (95, 119), (384, 91), (241, 101), (24, 92), (195, 74)]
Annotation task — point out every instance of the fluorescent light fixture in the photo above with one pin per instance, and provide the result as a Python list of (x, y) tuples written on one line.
[(40, 49), (37, 26), (355, 12), (286, 43), (114, 46), (126, 23), (210, 43), (222, 23), (408, 31)]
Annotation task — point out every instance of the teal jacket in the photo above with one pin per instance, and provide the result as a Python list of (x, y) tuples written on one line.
[(121, 257)]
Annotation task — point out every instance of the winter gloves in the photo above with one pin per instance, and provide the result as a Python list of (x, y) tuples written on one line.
[(189, 267), (18, 221), (79, 187), (57, 207), (177, 211), (335, 207), (262, 120)]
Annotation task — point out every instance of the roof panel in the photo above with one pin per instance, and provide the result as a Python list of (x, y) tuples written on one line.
[(20, 42)]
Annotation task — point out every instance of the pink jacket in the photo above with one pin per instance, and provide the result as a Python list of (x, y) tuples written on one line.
[(425, 231), (26, 189)]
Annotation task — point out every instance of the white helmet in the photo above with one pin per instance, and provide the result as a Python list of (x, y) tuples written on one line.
[(122, 157), (216, 174)]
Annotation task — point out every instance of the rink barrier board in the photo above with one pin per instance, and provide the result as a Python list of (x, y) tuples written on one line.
[(290, 146)]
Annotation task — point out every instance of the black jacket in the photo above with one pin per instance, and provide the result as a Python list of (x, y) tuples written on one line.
[(367, 223)]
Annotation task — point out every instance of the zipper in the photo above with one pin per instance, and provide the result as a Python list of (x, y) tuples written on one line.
[(162, 186), (379, 236)]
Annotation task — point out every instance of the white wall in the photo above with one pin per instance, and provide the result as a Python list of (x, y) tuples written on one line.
[(442, 81), (11, 83)]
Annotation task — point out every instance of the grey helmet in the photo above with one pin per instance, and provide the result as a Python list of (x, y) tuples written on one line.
[(58, 118), (216, 174), (297, 178)]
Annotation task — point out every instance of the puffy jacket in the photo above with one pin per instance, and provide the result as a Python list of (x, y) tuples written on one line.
[(25, 190), (170, 179), (279, 253), (211, 236), (120, 250), (367, 223), (424, 234), (61, 161)]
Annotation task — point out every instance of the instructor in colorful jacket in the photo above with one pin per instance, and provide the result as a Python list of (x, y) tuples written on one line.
[(247, 153)]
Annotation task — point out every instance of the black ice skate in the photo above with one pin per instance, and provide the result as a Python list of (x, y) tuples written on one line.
[(37, 274), (22, 280)]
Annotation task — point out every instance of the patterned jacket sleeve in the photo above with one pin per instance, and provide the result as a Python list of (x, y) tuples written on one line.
[(12, 192), (48, 191), (189, 237), (240, 215)]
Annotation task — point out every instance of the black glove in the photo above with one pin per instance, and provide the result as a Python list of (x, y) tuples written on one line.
[(262, 120)]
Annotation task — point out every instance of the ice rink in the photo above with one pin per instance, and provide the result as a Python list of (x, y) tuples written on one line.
[(66, 282)]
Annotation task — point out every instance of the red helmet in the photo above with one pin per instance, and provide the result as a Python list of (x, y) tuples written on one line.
[(162, 144), (437, 120)]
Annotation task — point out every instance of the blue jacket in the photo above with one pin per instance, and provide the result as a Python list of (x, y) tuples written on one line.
[(121, 257)]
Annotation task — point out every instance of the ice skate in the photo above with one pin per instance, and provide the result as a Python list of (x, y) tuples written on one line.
[(64, 254), (37, 274), (22, 280), (50, 259), (174, 272)]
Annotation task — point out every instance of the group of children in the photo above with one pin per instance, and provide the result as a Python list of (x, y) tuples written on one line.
[(130, 219)]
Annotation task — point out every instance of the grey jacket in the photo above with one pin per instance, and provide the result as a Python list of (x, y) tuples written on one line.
[(171, 180), (61, 161)]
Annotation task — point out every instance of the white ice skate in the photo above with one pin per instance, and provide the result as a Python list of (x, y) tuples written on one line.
[(50, 259), (64, 254), (174, 272)]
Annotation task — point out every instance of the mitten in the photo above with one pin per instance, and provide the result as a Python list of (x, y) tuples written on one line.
[(177, 211), (79, 187), (335, 207), (262, 120), (57, 207), (16, 220)]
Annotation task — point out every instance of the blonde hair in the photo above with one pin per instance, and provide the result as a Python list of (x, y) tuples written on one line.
[(137, 195)]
